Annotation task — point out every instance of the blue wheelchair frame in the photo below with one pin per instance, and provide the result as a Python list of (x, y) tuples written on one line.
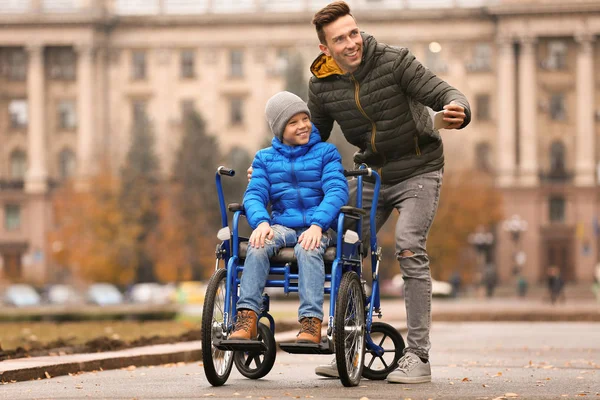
[(348, 258)]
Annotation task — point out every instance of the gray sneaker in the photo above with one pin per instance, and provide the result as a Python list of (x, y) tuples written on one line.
[(328, 370), (411, 370)]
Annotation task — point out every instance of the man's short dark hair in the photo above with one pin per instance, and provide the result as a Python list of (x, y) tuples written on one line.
[(329, 14)]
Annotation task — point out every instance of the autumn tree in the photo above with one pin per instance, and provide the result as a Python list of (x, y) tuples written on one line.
[(90, 240), (295, 76), (468, 201), (196, 199), (139, 197)]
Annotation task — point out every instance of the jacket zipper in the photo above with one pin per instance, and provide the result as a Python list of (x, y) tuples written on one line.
[(298, 191), (373, 126), (417, 148)]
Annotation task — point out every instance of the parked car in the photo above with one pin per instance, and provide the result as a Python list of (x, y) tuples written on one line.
[(150, 293), (21, 295), (189, 292), (104, 294), (62, 294)]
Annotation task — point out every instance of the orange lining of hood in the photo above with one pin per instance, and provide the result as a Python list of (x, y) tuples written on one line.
[(325, 66)]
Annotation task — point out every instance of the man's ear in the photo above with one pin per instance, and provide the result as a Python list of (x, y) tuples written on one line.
[(324, 49)]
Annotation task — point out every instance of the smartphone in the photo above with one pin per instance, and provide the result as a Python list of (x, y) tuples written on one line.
[(438, 120)]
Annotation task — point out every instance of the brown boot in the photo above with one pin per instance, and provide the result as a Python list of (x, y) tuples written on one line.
[(310, 332), (245, 326)]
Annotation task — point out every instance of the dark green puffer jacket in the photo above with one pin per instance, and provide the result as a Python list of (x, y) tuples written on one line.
[(381, 109)]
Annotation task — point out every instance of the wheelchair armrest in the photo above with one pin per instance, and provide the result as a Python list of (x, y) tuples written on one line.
[(353, 211), (233, 207)]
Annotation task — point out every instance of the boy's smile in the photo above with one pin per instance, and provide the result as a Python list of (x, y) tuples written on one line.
[(297, 131)]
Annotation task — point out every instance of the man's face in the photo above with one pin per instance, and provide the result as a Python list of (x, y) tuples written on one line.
[(297, 130), (343, 43)]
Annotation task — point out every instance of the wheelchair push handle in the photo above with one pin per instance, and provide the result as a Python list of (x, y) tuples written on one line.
[(225, 171), (358, 172)]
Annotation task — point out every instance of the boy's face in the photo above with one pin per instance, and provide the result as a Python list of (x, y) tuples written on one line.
[(344, 43), (297, 130)]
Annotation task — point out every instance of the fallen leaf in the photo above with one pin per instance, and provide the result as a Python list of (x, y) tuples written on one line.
[(466, 380), (47, 375), (452, 383), (131, 368), (484, 385)]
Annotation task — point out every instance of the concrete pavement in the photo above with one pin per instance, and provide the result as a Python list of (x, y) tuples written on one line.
[(470, 309)]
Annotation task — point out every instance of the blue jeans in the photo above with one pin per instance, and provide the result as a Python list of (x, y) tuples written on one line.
[(311, 272), (416, 200)]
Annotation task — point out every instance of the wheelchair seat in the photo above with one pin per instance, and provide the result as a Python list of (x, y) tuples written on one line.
[(286, 255)]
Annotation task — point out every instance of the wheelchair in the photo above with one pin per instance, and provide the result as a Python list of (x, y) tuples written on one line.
[(362, 348)]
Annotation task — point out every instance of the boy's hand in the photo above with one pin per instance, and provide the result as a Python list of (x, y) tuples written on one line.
[(454, 115), (311, 238), (249, 173), (262, 232)]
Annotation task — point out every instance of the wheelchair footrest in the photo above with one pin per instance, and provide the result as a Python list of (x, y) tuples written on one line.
[(239, 345), (325, 347)]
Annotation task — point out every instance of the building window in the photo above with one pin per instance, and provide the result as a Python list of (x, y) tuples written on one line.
[(282, 61), (61, 63), (236, 66), (12, 217), (18, 164), (138, 65), (557, 56), (236, 111), (139, 111), (66, 163), (18, 113), (558, 110), (66, 115), (482, 110), (188, 107), (557, 158), (13, 64), (188, 64), (482, 157), (557, 209), (482, 58)]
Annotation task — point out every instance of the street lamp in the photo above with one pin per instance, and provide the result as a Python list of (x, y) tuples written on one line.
[(516, 226), (482, 242)]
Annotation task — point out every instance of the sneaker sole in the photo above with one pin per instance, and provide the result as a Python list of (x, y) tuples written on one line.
[(327, 374), (416, 379)]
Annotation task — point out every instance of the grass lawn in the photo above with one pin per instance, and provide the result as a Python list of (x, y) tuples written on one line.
[(26, 334)]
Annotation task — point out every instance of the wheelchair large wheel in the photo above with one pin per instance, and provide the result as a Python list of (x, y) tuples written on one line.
[(217, 363), (256, 364), (387, 337), (349, 332)]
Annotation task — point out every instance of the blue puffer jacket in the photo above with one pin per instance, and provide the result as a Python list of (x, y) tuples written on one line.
[(305, 185)]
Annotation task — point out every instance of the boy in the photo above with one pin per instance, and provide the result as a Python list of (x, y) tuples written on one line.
[(303, 180)]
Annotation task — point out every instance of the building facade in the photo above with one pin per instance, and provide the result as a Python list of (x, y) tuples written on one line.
[(75, 75)]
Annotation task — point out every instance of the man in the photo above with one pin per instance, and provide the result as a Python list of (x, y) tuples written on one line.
[(377, 94)]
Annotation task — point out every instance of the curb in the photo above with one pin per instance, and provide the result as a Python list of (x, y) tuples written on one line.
[(49, 367)]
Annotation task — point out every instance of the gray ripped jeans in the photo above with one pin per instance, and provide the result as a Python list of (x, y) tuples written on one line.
[(416, 200)]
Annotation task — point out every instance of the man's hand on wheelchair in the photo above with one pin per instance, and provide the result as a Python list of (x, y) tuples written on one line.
[(311, 238), (263, 231), (249, 173)]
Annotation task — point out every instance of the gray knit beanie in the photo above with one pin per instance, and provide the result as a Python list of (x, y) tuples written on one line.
[(280, 108)]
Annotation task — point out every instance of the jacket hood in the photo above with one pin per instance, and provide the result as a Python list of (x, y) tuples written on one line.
[(324, 65), (297, 151)]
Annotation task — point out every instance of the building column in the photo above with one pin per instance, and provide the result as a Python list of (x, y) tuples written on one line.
[(506, 137), (585, 144), (528, 165), (166, 107), (85, 111), (37, 174)]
